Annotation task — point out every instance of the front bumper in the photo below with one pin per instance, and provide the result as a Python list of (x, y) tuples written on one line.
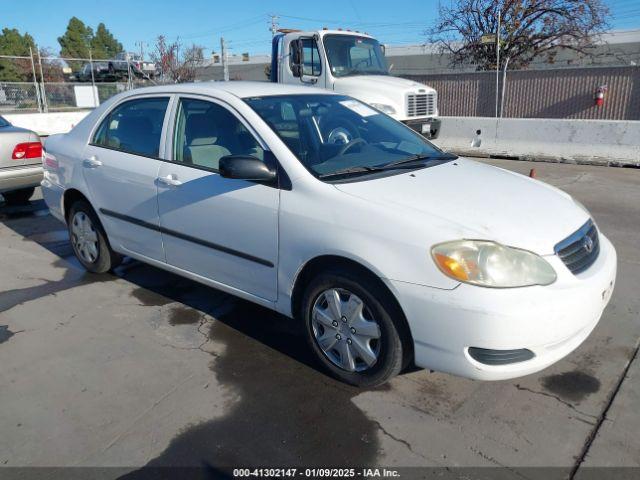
[(16, 178), (549, 321), (429, 127)]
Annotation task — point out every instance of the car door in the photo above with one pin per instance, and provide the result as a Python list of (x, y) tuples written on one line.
[(223, 229), (120, 166), (312, 73)]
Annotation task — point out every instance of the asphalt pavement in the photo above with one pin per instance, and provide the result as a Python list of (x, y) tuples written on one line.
[(143, 368)]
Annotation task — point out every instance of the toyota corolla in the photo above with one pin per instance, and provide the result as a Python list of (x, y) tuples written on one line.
[(386, 248)]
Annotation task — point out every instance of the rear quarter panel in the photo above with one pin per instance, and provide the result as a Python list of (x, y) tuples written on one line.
[(63, 169)]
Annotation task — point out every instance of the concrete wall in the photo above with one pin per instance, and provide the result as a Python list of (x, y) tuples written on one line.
[(601, 142), (47, 123)]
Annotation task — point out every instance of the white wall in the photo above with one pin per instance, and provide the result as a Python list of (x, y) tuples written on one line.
[(47, 123), (602, 142)]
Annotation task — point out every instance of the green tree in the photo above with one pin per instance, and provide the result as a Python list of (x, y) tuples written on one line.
[(76, 41), (13, 43), (104, 44)]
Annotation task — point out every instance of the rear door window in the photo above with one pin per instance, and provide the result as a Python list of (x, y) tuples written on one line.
[(134, 127)]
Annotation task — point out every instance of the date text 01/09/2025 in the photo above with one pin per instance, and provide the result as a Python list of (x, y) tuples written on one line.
[(315, 472)]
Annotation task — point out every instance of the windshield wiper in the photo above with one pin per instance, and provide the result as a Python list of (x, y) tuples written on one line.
[(348, 171), (352, 72), (408, 162)]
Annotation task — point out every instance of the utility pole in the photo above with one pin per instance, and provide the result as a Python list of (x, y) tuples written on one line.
[(498, 61), (274, 24), (35, 80), (223, 57), (504, 84), (141, 44)]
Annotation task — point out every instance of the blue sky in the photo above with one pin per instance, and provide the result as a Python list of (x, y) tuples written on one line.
[(244, 23)]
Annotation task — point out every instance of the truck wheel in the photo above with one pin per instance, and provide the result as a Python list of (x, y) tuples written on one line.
[(350, 326), (89, 240), (19, 197)]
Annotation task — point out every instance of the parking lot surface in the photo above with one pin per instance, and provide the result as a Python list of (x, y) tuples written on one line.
[(145, 368)]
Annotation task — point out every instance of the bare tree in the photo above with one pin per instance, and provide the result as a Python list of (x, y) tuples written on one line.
[(174, 63), (529, 29), (52, 67)]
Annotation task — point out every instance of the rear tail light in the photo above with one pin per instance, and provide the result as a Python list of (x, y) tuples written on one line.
[(50, 161), (27, 150)]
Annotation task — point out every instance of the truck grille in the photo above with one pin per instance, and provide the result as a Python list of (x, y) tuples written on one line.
[(421, 104), (580, 249)]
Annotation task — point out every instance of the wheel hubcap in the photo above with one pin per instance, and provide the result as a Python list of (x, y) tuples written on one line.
[(84, 237), (345, 330)]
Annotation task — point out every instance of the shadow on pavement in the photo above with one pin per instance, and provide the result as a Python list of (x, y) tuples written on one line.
[(279, 411)]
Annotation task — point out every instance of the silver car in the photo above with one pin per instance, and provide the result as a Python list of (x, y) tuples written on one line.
[(20, 162)]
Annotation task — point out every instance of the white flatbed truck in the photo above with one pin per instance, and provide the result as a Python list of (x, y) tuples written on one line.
[(353, 63)]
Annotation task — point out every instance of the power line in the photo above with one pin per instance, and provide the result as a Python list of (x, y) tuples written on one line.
[(353, 22), (221, 29)]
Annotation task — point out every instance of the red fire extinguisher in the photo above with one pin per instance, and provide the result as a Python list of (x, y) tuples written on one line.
[(599, 96)]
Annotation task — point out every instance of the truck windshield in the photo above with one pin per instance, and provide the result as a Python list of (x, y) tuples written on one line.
[(353, 55), (338, 138)]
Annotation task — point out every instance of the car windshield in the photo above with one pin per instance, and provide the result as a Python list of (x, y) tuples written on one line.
[(3, 122), (338, 137), (353, 55)]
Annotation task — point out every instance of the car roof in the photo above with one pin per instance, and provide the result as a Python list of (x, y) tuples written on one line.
[(242, 89)]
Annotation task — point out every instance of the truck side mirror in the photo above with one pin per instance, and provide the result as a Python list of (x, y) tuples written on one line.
[(296, 58)]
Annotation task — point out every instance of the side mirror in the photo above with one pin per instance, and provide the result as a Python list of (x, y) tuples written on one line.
[(296, 57), (245, 167)]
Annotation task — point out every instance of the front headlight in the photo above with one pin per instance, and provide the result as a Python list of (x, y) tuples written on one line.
[(388, 109), (489, 264)]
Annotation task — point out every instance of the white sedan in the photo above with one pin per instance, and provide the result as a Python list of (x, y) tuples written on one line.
[(389, 250)]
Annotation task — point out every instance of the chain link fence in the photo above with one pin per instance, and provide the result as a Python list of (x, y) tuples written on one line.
[(38, 83)]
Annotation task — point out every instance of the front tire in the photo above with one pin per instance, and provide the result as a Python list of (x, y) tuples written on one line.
[(350, 326), (89, 240), (19, 197)]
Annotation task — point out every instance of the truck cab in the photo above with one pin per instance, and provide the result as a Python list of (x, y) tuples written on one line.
[(354, 64)]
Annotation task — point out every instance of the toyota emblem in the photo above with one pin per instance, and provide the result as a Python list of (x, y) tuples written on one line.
[(588, 244)]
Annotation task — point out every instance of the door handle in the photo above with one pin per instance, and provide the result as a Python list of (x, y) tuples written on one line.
[(170, 180), (91, 162)]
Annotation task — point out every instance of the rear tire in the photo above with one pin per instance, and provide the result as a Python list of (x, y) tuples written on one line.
[(371, 340), (19, 197), (89, 240)]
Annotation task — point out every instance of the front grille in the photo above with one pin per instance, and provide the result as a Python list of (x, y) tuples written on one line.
[(421, 104), (580, 249), (500, 357)]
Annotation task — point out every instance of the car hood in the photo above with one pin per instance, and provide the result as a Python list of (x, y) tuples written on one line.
[(467, 199), (379, 82)]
